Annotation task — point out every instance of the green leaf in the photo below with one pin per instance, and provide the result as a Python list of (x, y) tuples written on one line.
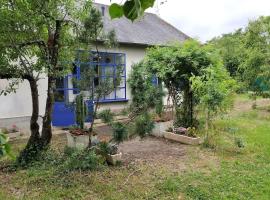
[(147, 4), (130, 10), (116, 11)]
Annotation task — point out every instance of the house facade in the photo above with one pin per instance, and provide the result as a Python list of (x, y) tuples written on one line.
[(133, 38)]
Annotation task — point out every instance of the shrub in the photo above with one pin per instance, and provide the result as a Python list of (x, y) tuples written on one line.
[(119, 132), (143, 125), (4, 146), (105, 148), (82, 160), (106, 116)]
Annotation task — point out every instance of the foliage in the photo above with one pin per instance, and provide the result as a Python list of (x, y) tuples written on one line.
[(35, 37), (131, 9), (106, 116), (107, 148), (231, 49), (245, 54), (119, 132), (145, 95), (143, 124), (174, 65), (81, 110), (82, 160), (5, 148), (214, 90)]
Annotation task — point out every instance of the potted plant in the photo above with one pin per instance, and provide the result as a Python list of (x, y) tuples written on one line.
[(110, 150), (78, 135), (183, 135)]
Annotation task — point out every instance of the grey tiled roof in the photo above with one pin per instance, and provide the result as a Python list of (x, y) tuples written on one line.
[(149, 30)]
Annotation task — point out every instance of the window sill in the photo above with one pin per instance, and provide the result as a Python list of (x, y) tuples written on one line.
[(114, 100)]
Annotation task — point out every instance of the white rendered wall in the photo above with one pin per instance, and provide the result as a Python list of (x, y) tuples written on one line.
[(19, 104)]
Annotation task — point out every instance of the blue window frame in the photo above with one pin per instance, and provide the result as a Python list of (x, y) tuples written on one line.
[(108, 66)]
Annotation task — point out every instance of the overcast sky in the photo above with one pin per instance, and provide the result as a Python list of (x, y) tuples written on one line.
[(205, 19)]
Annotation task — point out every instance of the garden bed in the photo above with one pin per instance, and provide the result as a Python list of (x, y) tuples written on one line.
[(182, 138)]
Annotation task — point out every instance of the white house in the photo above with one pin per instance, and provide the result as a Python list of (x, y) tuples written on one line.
[(133, 39)]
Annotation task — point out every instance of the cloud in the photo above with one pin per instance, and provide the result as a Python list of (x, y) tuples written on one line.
[(205, 19)]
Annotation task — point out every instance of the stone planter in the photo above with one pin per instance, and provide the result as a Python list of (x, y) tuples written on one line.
[(160, 128), (77, 141), (182, 138), (113, 159)]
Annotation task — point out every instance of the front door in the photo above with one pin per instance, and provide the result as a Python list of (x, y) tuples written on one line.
[(63, 110)]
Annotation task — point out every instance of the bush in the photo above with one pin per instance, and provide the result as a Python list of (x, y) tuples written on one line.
[(106, 116), (82, 160), (105, 148), (120, 132), (143, 125), (4, 146)]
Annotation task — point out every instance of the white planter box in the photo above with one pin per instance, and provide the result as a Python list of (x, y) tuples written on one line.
[(182, 138), (160, 128), (77, 141), (113, 159)]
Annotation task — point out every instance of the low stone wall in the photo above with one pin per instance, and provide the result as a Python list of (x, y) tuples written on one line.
[(160, 128)]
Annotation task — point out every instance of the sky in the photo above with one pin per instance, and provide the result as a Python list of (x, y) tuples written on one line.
[(205, 19)]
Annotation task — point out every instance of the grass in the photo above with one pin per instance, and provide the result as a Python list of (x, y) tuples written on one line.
[(237, 173)]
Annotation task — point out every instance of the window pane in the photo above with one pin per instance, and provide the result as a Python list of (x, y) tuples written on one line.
[(108, 71), (120, 70), (107, 58), (111, 95), (119, 82), (120, 93), (119, 59)]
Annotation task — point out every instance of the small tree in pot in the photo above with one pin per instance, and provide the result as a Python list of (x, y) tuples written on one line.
[(110, 149)]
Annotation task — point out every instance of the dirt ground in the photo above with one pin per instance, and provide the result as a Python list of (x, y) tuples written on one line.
[(151, 148)]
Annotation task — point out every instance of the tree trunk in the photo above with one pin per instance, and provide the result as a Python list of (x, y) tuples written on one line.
[(53, 50), (47, 119), (33, 145)]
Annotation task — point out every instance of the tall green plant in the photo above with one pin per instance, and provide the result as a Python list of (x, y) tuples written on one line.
[(174, 65), (214, 90), (81, 111)]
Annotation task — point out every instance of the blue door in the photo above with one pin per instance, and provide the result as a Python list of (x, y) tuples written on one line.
[(64, 114), (63, 109)]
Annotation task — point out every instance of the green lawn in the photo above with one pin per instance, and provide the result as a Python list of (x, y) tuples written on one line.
[(229, 173)]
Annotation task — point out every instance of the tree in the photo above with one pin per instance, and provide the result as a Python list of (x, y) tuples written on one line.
[(245, 54), (214, 90), (174, 65), (257, 64), (35, 36), (146, 96), (231, 48)]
